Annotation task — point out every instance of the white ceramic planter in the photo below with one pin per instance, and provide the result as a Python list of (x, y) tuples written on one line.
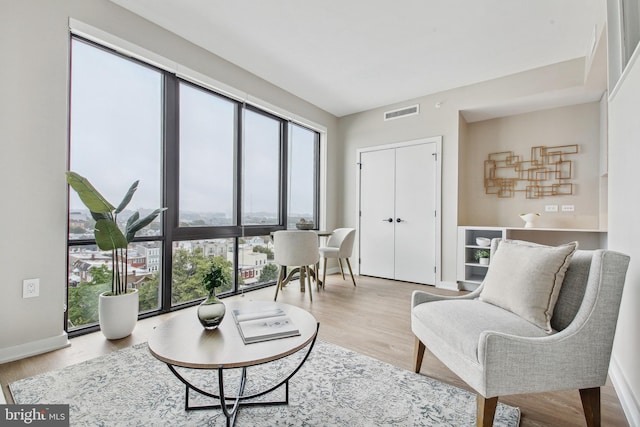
[(118, 314), (483, 261)]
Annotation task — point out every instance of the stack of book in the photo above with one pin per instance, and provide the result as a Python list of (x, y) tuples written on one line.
[(264, 325)]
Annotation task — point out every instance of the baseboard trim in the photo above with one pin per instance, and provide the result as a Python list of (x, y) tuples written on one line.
[(629, 404), (334, 270), (34, 347), (452, 286)]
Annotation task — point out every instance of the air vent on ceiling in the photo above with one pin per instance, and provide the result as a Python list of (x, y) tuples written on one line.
[(402, 112)]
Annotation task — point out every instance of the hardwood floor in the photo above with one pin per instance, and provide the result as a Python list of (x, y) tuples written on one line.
[(372, 319)]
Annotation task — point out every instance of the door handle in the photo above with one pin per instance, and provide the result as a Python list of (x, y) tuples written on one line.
[(399, 220), (388, 220)]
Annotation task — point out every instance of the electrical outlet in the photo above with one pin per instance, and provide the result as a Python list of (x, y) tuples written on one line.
[(551, 208), (567, 208), (30, 288)]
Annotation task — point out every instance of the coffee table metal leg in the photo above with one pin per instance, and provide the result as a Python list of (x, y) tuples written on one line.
[(230, 414)]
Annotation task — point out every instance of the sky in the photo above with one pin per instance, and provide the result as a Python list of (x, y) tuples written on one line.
[(116, 138)]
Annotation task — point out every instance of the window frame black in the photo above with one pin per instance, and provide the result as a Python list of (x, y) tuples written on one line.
[(170, 228)]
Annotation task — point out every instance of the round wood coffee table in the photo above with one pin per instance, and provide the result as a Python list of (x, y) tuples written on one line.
[(182, 341)]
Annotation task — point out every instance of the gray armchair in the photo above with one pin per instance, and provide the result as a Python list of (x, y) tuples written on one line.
[(497, 353)]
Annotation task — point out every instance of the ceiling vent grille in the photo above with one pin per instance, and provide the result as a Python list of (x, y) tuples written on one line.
[(402, 112)]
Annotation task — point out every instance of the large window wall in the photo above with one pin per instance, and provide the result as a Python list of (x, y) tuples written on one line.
[(229, 174)]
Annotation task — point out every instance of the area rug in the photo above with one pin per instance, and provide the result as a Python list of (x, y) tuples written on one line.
[(335, 387)]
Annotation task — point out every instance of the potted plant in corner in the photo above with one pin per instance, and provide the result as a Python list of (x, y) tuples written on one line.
[(211, 311), (118, 308), (482, 256)]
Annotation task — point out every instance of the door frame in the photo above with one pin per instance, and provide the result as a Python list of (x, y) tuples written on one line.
[(437, 140)]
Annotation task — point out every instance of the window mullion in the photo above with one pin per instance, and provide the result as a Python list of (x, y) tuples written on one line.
[(284, 175), (171, 163), (239, 150)]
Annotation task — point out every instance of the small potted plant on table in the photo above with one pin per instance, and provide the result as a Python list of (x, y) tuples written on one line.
[(211, 311)]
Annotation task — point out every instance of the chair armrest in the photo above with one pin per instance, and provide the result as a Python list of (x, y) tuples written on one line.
[(420, 297), (554, 362)]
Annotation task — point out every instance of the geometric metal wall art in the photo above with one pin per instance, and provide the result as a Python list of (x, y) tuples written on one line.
[(547, 173)]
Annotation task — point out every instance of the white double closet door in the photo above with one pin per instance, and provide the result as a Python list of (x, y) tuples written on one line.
[(398, 211)]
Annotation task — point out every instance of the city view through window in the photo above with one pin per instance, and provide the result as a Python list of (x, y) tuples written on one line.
[(224, 186)]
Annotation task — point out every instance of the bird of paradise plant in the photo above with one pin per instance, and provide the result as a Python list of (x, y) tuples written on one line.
[(108, 235)]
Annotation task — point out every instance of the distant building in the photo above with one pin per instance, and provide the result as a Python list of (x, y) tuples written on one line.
[(81, 269), (217, 247), (137, 277), (248, 275), (77, 217), (135, 259), (151, 253), (250, 263), (143, 262)]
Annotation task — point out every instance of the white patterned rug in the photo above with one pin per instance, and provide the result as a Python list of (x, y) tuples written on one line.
[(335, 387)]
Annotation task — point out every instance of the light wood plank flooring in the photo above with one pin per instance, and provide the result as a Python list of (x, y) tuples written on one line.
[(372, 319)]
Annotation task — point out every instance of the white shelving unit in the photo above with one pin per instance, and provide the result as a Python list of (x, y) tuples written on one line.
[(470, 272)]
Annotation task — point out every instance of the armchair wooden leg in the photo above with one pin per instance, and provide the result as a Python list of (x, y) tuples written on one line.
[(591, 405), (486, 410), (351, 271), (418, 355), (279, 284), (341, 269), (324, 272)]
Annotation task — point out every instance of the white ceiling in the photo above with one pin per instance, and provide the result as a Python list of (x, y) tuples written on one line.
[(347, 56)]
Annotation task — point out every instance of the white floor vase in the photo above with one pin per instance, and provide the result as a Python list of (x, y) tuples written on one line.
[(118, 314)]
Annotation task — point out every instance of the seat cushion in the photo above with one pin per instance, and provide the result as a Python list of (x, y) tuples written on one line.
[(459, 323), (525, 278)]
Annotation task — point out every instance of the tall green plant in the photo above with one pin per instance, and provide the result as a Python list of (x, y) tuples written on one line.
[(108, 235)]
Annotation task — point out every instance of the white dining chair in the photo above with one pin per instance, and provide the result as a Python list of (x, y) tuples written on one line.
[(339, 246), (297, 249)]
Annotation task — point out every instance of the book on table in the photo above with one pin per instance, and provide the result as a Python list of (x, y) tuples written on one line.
[(263, 325)]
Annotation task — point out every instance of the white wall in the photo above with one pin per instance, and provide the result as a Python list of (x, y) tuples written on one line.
[(624, 233), (34, 41), (368, 129), (576, 124), (33, 125)]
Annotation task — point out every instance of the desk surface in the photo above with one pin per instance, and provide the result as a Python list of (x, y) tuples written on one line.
[(182, 341)]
